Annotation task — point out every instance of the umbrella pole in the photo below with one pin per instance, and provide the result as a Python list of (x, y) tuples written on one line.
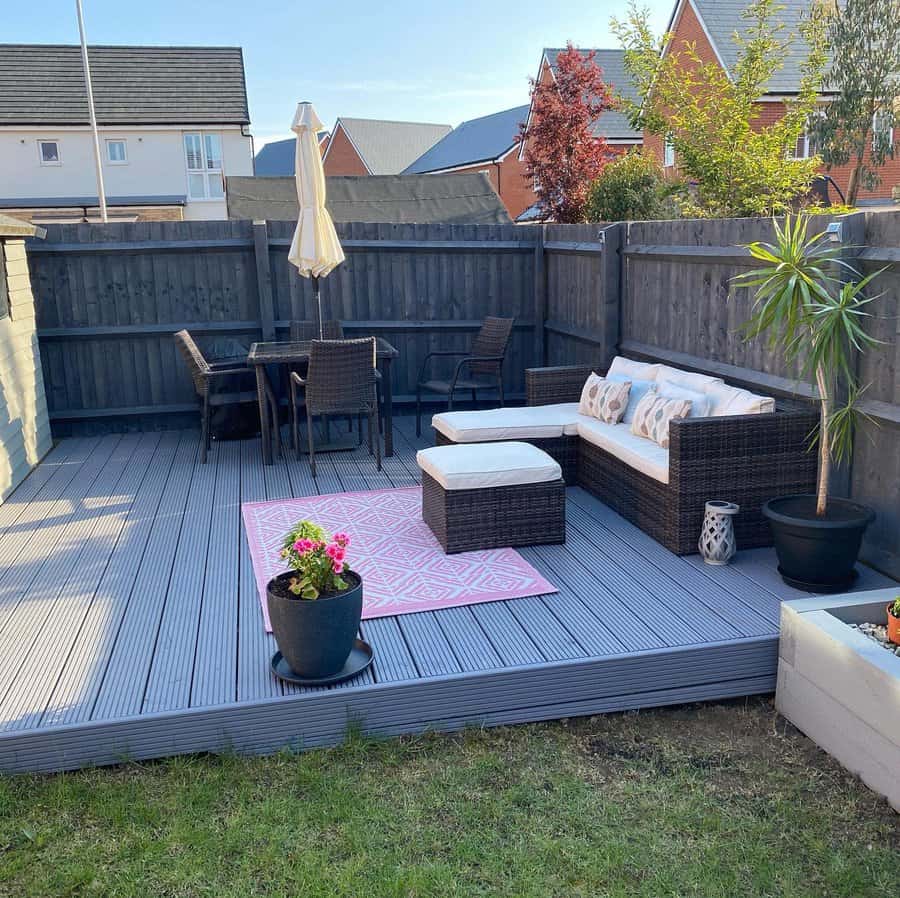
[(318, 295)]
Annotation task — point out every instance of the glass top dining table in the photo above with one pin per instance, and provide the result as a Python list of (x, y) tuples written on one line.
[(294, 353)]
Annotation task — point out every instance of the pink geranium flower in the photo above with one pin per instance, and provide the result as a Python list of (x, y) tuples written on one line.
[(338, 567), (342, 539)]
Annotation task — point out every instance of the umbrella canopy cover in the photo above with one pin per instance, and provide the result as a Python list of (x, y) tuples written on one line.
[(315, 249)]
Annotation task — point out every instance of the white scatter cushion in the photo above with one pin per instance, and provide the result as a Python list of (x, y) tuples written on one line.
[(639, 388), (482, 466), (604, 399), (491, 425), (700, 402), (688, 379), (632, 369), (727, 400), (618, 440)]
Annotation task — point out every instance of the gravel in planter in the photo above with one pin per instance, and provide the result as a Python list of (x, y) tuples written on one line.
[(878, 633)]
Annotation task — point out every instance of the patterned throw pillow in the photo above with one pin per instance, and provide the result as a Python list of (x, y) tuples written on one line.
[(604, 399), (653, 414)]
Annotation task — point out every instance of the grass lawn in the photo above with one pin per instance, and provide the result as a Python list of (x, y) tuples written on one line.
[(722, 800)]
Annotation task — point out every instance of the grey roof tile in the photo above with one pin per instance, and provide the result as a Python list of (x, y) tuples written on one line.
[(44, 85), (477, 140), (612, 125), (389, 147)]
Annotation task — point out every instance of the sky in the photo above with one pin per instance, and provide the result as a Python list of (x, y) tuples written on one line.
[(395, 59)]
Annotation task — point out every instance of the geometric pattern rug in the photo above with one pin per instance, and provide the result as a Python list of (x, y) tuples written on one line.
[(403, 566)]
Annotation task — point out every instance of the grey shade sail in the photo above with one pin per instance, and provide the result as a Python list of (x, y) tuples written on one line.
[(409, 199), (44, 85), (477, 140)]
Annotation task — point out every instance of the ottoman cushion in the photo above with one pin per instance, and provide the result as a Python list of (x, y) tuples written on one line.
[(486, 465)]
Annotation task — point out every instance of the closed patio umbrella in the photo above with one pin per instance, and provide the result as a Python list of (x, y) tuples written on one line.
[(315, 249)]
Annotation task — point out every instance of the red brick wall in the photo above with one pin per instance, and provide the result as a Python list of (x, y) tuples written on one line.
[(342, 158), (688, 29)]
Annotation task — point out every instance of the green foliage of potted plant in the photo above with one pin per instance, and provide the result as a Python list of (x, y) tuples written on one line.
[(816, 319), (315, 607), (893, 621)]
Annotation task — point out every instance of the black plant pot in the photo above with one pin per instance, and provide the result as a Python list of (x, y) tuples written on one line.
[(817, 554), (315, 637)]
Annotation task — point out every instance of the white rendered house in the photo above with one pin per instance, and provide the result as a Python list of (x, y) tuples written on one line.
[(173, 121)]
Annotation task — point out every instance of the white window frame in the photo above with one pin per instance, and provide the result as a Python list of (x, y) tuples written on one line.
[(109, 159), (668, 154), (875, 126), (40, 142), (805, 141), (205, 170)]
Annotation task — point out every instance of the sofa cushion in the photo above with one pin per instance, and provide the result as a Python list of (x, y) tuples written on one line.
[(639, 388), (604, 399), (700, 402), (633, 369), (653, 414), (474, 466), (489, 425), (728, 400), (617, 439), (698, 382)]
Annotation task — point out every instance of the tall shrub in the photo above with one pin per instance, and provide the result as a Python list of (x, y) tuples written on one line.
[(631, 188), (711, 117)]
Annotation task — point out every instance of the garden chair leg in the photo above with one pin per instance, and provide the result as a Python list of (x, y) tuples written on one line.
[(204, 430), (377, 438), (370, 433), (312, 447), (500, 389)]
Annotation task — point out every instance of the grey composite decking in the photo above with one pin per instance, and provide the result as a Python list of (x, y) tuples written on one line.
[(130, 625)]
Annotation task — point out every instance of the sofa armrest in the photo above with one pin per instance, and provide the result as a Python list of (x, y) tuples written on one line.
[(715, 453), (546, 386)]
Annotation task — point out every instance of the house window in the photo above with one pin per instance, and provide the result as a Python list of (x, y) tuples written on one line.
[(882, 129), (536, 184), (806, 147), (49, 152), (668, 153), (203, 153), (116, 152)]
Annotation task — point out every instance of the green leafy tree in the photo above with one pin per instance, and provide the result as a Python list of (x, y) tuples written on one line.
[(856, 126), (631, 188), (711, 117)]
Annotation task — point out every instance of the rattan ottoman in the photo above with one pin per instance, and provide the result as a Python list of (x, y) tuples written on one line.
[(492, 495)]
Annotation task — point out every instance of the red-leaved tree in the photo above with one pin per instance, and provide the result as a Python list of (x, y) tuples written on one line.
[(561, 154)]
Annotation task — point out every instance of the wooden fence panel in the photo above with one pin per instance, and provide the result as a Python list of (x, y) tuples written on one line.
[(582, 282)]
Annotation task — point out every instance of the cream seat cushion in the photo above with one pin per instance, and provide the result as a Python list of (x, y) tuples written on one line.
[(700, 383), (473, 466), (491, 425), (637, 452)]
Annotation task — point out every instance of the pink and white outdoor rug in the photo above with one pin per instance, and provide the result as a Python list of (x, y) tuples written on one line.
[(403, 566)]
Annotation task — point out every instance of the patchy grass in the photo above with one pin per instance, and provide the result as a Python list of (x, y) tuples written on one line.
[(714, 800)]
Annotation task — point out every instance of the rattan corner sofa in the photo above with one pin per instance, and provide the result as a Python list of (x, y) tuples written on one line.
[(744, 458)]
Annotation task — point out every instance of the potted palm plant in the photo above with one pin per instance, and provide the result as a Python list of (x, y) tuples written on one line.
[(815, 317), (315, 606)]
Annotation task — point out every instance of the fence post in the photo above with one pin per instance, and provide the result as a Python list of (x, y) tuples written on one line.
[(264, 280), (611, 289), (540, 296)]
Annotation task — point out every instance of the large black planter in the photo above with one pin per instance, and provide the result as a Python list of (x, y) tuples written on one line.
[(315, 637), (817, 554)]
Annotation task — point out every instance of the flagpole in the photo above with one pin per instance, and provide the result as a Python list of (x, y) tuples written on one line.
[(101, 190)]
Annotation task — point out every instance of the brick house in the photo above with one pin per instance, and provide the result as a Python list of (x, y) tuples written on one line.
[(490, 145), (612, 125), (359, 146), (709, 25)]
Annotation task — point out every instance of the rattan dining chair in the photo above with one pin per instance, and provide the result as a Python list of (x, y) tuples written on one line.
[(481, 368), (341, 380), (205, 374)]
